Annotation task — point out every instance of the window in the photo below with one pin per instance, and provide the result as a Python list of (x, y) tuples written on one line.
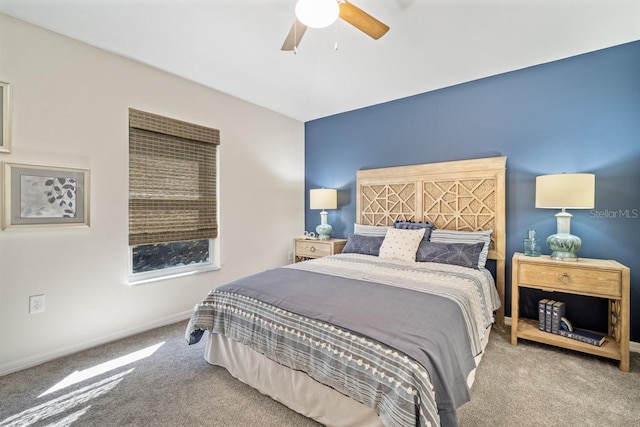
[(160, 256), (172, 195)]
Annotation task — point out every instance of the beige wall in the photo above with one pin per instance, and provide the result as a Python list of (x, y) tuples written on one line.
[(70, 108)]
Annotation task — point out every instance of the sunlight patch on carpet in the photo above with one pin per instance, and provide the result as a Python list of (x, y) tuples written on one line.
[(65, 402), (79, 376)]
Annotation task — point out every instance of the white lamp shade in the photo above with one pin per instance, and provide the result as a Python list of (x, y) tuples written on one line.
[(323, 198), (317, 13), (566, 191)]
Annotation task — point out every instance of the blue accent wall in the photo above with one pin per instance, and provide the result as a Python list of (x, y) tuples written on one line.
[(580, 114)]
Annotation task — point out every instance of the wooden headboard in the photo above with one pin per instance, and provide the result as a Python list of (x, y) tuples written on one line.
[(465, 195)]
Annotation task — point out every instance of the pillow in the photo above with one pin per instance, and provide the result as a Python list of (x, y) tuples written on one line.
[(366, 245), (370, 230), (462, 254), (401, 244), (409, 225), (452, 236)]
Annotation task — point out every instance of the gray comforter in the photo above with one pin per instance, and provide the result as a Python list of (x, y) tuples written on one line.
[(406, 353)]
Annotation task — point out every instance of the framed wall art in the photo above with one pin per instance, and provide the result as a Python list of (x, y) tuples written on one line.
[(5, 118), (36, 196)]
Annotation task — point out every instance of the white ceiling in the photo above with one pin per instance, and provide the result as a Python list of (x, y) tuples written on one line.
[(234, 45)]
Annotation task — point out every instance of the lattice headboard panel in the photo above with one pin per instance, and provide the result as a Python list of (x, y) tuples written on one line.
[(466, 195), (461, 204), (384, 204)]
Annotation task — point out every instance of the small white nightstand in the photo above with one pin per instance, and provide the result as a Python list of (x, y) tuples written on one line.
[(305, 249)]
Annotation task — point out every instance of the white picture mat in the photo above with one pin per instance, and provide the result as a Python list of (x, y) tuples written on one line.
[(45, 196)]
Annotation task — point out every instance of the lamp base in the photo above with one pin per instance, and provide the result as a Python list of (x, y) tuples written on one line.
[(324, 231), (564, 246)]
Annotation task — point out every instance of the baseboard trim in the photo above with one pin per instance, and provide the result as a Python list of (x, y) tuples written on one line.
[(46, 357), (633, 346)]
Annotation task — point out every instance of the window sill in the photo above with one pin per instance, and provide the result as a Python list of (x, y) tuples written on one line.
[(167, 275)]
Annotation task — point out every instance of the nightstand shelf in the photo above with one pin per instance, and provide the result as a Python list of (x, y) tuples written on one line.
[(528, 330), (305, 249), (590, 277)]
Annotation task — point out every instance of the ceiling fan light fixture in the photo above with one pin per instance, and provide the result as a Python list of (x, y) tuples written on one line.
[(317, 13)]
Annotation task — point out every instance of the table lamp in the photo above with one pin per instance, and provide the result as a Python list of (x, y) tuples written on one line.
[(565, 191), (323, 198)]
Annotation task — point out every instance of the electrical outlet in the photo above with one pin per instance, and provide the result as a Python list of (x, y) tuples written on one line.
[(36, 304), (290, 256)]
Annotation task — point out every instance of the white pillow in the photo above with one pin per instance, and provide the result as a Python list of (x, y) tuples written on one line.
[(401, 244), (370, 230), (453, 236)]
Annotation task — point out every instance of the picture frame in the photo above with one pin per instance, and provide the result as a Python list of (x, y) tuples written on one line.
[(39, 196), (5, 117)]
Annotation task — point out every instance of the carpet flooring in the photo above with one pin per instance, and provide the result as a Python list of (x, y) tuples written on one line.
[(156, 379)]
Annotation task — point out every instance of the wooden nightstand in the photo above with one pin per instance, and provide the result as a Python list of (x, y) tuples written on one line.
[(305, 249), (592, 277)]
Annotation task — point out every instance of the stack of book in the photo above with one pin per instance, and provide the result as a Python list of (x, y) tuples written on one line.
[(551, 315)]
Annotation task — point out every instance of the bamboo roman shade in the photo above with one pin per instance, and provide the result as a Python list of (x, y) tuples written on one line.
[(172, 180)]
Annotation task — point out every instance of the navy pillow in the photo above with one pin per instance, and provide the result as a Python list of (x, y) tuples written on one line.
[(409, 225), (366, 245), (463, 254)]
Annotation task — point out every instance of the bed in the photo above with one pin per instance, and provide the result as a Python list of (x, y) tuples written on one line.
[(371, 337)]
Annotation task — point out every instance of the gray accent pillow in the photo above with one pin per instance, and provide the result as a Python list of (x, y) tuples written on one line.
[(413, 225), (366, 245), (462, 254), (452, 236), (409, 225)]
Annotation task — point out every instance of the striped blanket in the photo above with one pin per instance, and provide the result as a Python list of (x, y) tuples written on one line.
[(347, 347)]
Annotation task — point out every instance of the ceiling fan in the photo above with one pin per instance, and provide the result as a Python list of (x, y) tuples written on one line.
[(322, 13)]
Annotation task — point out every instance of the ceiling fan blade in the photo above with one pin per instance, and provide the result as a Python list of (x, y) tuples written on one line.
[(362, 20), (295, 35)]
